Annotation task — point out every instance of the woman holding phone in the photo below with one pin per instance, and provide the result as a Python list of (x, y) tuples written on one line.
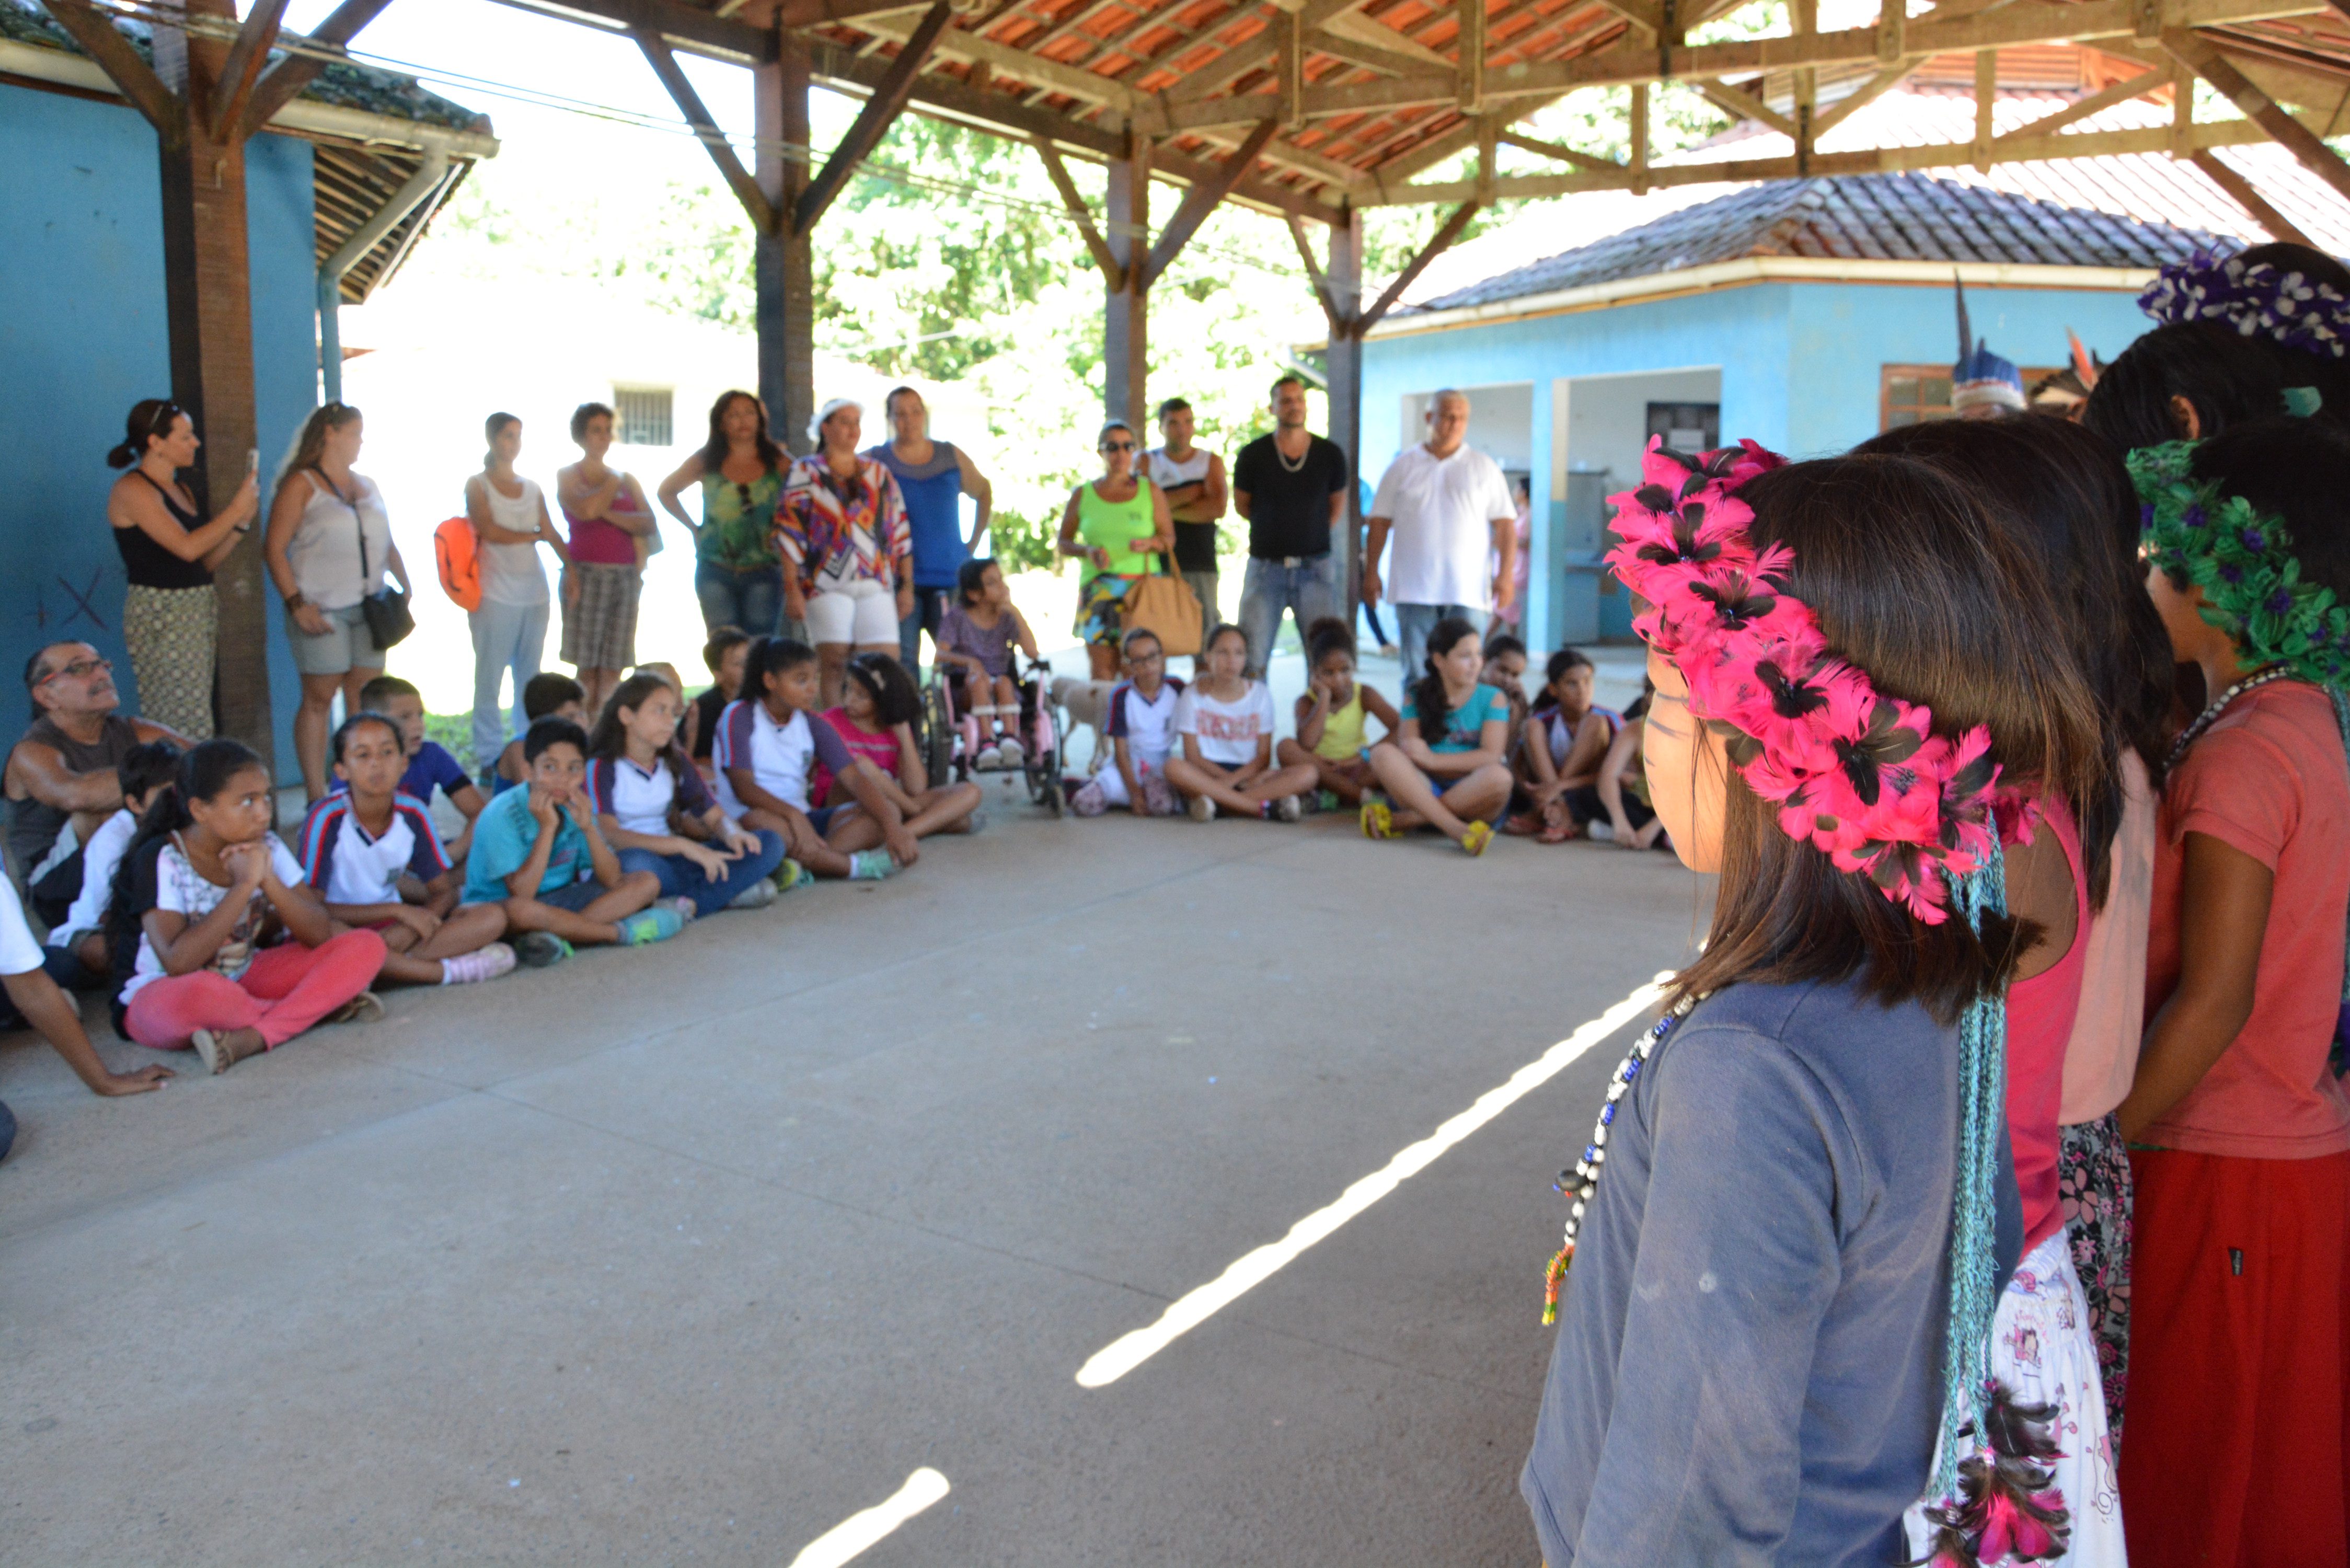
[(169, 553)]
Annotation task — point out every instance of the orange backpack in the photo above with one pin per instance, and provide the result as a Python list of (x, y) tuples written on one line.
[(456, 549)]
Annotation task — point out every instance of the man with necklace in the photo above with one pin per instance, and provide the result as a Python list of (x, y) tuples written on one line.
[(1291, 486)]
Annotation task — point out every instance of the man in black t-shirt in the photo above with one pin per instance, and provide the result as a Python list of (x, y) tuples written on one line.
[(1291, 486)]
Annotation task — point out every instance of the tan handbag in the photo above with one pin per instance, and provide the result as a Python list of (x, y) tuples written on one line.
[(1165, 607)]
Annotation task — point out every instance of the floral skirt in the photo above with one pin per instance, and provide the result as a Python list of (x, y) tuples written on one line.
[(173, 634), (2040, 1353), (1101, 608), (2093, 1184)]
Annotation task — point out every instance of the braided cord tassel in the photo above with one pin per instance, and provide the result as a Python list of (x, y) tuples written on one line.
[(1982, 1091)]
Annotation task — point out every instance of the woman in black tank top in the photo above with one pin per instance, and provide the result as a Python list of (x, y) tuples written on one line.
[(170, 554)]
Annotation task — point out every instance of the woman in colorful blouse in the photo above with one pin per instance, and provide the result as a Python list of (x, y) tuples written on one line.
[(736, 574), (841, 527)]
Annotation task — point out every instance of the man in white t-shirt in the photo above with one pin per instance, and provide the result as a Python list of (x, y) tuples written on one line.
[(1455, 531)]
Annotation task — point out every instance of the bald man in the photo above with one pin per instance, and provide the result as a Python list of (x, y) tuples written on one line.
[(1455, 527)]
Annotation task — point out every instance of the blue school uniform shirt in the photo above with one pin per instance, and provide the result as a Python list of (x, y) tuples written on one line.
[(503, 836), (1464, 726), (432, 766), (1762, 1277)]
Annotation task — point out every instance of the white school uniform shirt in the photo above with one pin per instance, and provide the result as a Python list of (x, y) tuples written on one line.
[(19, 953), (1442, 546), (1227, 732), (638, 798), (182, 889), (779, 756), (344, 866), (1147, 726), (99, 857)]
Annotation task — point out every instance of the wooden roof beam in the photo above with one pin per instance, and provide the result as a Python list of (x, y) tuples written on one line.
[(248, 56), (1436, 247), (1742, 105), (1201, 200), (2303, 143), (285, 80), (1567, 155), (1020, 65), (764, 214), (2247, 196), (687, 27), (2095, 103), (873, 121), (95, 31), (1113, 270)]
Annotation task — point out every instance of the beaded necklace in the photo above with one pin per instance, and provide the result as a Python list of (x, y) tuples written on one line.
[(2210, 715)]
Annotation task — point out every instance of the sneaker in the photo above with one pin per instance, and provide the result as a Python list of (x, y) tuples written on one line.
[(657, 924), (977, 820), (790, 875), (757, 896), (538, 950), (871, 866), (484, 964), (1320, 800), (1202, 809), (990, 756), (1600, 832), (1289, 808), (686, 908), (1013, 753), (208, 1046)]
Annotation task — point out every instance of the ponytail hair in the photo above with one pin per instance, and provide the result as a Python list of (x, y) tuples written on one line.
[(1428, 700), (1325, 637), (149, 418), (771, 656), (204, 770), (491, 428), (610, 737)]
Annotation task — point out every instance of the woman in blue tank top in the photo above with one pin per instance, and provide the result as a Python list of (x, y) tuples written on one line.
[(932, 477)]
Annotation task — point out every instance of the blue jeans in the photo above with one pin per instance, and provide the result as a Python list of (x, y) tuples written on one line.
[(1309, 590), (681, 877), (1414, 622), (506, 637), (928, 613), (752, 600)]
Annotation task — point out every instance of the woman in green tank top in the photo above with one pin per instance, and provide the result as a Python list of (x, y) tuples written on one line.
[(1116, 524)]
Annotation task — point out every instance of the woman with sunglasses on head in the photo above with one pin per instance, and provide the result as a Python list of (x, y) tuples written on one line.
[(169, 554), (737, 575), (1116, 524), (848, 553)]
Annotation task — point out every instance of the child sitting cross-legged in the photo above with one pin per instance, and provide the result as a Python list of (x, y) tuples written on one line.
[(430, 764), (1331, 711), (656, 811), (1556, 761), (876, 721), (77, 952), (226, 947), (1141, 737), (1226, 724), (975, 638), (540, 849), (371, 853), (1443, 768), (544, 695), (769, 740)]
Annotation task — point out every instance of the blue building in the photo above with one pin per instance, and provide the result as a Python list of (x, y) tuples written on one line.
[(1807, 314), (84, 335)]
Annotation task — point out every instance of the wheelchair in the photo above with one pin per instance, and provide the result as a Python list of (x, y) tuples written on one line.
[(952, 740)]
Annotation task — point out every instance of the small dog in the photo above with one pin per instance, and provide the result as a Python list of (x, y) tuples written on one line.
[(1086, 703)]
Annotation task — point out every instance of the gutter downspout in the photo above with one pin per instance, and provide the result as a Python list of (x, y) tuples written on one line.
[(404, 201)]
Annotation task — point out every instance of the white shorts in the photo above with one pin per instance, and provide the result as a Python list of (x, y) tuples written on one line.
[(863, 613)]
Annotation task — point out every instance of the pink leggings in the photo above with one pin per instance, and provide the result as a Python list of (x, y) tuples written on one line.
[(285, 990)]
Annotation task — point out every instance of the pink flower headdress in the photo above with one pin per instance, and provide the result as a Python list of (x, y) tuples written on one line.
[(1860, 776)]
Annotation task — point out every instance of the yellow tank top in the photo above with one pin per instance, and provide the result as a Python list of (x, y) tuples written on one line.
[(1342, 730), (1114, 524)]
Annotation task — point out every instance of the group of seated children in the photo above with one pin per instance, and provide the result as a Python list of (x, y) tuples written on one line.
[(1465, 752), (224, 939)]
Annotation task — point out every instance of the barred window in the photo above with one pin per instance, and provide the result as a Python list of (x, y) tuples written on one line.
[(644, 415)]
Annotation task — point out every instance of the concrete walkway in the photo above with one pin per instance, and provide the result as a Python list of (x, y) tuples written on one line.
[(691, 1253)]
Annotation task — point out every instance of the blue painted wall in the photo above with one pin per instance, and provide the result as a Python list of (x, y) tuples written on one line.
[(85, 337), (1800, 363)]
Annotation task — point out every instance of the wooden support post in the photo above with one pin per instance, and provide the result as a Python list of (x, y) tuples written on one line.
[(208, 294), (1289, 65), (1489, 167), (1472, 45), (2302, 142), (783, 263), (1125, 322), (2247, 196), (1341, 291), (1640, 151), (1807, 87), (1986, 94), (1892, 20)]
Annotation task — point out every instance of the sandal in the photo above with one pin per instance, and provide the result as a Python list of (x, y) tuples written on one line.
[(1480, 834), (367, 1007), (1525, 824), (1558, 832), (1379, 821), (208, 1046)]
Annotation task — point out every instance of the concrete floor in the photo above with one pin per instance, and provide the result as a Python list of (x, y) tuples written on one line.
[(690, 1253)]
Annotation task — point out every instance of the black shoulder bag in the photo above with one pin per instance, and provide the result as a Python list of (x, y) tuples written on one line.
[(388, 618)]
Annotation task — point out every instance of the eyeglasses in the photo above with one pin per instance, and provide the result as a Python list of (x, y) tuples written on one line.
[(1155, 656), (1118, 446), (81, 670)]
